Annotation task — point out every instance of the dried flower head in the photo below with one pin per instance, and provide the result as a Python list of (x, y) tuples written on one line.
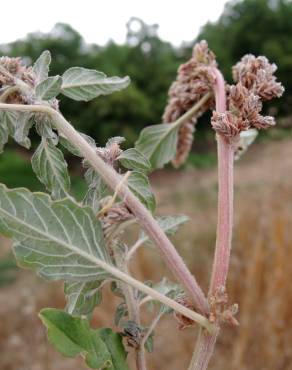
[(194, 80), (16, 68), (13, 69), (220, 310), (255, 83), (257, 75), (111, 151), (184, 144), (118, 213)]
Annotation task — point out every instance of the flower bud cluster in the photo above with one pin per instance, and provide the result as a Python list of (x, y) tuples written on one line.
[(255, 83), (193, 81)]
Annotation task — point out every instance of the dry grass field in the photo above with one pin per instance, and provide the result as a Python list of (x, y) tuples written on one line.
[(260, 276)]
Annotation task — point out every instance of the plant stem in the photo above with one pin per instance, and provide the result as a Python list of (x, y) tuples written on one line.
[(133, 308), (144, 217), (206, 341), (203, 350), (134, 249), (225, 196), (225, 215), (146, 220), (151, 328), (191, 112)]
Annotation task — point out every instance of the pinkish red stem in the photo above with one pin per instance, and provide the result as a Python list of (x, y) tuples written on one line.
[(206, 342), (225, 196)]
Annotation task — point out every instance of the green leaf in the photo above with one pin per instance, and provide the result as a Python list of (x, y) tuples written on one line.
[(3, 134), (43, 126), (115, 346), (72, 336), (158, 143), (169, 224), (168, 289), (49, 88), (85, 84), (41, 66), (121, 312), (97, 189), (22, 126), (149, 344), (9, 118), (61, 240), (72, 149), (51, 169), (82, 297), (134, 160), (139, 185)]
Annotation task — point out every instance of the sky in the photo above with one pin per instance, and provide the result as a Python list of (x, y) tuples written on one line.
[(100, 20)]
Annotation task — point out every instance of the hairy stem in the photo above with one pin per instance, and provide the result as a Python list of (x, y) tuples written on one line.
[(225, 196), (206, 341), (203, 350), (134, 249), (144, 217)]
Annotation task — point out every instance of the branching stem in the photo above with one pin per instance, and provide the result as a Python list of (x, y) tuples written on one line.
[(206, 341), (147, 222)]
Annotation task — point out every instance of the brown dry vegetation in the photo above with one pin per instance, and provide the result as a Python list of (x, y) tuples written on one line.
[(260, 276)]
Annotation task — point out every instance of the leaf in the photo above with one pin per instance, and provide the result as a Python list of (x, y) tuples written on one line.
[(9, 118), (61, 240), (158, 143), (149, 344), (41, 66), (246, 138), (3, 134), (21, 130), (72, 336), (115, 346), (97, 189), (18, 126), (49, 88), (169, 224), (82, 297), (72, 149), (83, 84), (114, 140), (121, 312), (134, 160), (139, 185), (168, 289), (50, 167), (44, 128)]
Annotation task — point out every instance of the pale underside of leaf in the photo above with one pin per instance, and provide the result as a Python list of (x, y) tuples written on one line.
[(82, 297), (169, 224), (48, 88), (41, 66), (20, 124), (138, 183), (61, 240), (3, 134), (83, 84), (51, 168)]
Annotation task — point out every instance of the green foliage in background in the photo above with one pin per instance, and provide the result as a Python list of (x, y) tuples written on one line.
[(257, 26), (260, 27)]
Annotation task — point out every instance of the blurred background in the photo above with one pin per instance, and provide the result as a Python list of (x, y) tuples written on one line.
[(149, 49)]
